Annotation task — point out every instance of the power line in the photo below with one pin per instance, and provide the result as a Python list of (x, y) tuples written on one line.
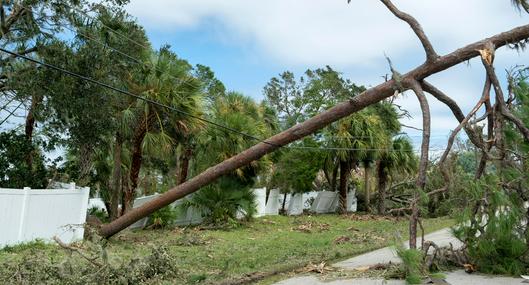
[(91, 80), (138, 61), (11, 113), (154, 102)]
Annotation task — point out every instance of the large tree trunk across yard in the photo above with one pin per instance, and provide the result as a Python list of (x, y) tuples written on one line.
[(433, 65)]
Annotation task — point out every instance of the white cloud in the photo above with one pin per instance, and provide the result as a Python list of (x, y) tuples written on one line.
[(316, 32), (299, 34)]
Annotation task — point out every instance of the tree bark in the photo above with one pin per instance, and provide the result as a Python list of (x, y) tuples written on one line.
[(423, 163), (30, 127), (85, 163), (366, 188), (334, 177), (311, 125), (284, 202), (136, 161), (382, 184), (345, 169), (184, 165), (116, 178)]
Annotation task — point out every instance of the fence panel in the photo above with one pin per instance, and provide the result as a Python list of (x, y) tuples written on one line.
[(42, 214)]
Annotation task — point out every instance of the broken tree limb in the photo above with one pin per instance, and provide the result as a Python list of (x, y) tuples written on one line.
[(488, 62), (431, 55), (456, 110), (425, 144), (442, 162), (423, 162), (313, 124)]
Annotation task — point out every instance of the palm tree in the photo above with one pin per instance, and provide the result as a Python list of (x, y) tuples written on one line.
[(354, 138), (398, 158), (167, 80), (521, 4), (220, 202)]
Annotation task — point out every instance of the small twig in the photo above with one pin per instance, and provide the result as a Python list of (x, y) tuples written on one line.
[(411, 127)]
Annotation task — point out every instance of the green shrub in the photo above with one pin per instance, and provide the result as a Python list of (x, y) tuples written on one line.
[(220, 203), (99, 213), (35, 268), (412, 266), (164, 217), (494, 237)]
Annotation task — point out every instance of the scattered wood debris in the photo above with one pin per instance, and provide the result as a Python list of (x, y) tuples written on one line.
[(318, 268), (342, 239), (309, 227)]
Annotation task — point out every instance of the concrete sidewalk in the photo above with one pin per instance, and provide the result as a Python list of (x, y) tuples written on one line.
[(386, 255)]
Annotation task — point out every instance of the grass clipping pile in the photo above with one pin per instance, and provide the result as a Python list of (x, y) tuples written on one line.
[(88, 264)]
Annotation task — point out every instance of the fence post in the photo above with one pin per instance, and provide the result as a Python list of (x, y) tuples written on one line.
[(84, 207), (72, 186), (23, 213)]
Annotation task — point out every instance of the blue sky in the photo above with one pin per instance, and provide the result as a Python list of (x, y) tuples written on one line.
[(246, 42)]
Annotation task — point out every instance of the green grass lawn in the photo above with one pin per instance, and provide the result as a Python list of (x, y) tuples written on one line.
[(269, 244)]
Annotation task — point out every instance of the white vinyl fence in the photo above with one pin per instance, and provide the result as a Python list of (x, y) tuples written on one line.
[(29, 214), (137, 203)]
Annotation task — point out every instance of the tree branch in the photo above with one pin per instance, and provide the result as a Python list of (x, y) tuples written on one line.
[(442, 162), (454, 107), (431, 55), (487, 58), (425, 145), (18, 11)]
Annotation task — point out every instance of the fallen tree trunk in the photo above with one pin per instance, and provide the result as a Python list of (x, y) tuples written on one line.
[(313, 124)]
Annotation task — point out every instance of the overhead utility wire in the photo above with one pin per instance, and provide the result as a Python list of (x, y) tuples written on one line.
[(11, 113), (154, 102), (138, 61)]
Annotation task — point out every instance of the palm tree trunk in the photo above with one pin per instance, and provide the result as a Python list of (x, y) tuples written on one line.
[(134, 174), (184, 165), (334, 177), (382, 182), (116, 178), (284, 201), (366, 187), (135, 166), (344, 174)]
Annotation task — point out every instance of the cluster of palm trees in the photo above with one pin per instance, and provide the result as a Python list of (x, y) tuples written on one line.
[(367, 139)]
